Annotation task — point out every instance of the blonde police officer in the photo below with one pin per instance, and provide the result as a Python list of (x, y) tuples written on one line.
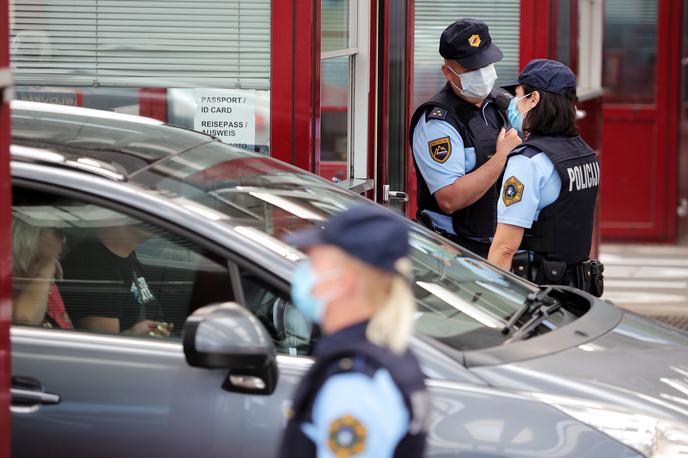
[(365, 395)]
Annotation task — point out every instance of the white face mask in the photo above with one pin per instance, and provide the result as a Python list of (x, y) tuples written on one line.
[(477, 84)]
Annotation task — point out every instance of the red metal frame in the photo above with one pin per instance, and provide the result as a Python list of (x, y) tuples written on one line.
[(682, 159), (536, 37), (383, 102), (295, 83), (5, 245), (372, 95), (411, 184), (573, 44), (670, 33), (153, 103)]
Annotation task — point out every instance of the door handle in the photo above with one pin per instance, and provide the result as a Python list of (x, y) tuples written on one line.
[(28, 395), (24, 397), (388, 195)]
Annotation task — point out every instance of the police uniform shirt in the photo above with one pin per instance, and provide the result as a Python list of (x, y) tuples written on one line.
[(529, 185), (441, 156), (356, 412)]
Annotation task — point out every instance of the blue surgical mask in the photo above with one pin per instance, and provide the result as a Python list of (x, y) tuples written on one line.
[(515, 116), (303, 281)]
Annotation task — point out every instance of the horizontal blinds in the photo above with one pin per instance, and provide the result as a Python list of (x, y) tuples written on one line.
[(433, 16), (334, 24), (142, 43), (631, 24)]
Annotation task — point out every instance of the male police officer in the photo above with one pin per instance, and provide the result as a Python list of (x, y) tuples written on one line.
[(458, 148), (365, 395)]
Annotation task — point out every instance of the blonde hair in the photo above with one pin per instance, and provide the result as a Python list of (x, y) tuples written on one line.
[(392, 323), (24, 241)]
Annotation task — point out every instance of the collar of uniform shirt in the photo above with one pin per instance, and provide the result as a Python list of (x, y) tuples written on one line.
[(328, 343)]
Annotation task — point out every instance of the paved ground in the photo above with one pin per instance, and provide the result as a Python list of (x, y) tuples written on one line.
[(648, 279)]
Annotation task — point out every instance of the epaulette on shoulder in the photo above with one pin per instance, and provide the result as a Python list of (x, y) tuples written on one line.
[(525, 150), (436, 113)]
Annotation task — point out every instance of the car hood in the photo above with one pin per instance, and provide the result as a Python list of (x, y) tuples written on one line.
[(640, 365)]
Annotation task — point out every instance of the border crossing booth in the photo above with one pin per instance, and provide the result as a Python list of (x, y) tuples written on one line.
[(327, 85)]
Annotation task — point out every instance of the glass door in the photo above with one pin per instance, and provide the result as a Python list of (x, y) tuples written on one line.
[(634, 170), (344, 87)]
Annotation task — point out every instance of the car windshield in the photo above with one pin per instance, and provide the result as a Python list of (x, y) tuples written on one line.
[(462, 301)]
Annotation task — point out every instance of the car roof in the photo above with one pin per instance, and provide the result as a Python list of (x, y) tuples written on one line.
[(113, 145)]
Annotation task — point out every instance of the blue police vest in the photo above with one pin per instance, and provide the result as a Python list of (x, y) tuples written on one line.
[(405, 373), (563, 230), (478, 220)]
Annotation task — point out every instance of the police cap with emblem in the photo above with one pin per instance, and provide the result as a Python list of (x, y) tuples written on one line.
[(545, 75), (468, 42), (371, 234)]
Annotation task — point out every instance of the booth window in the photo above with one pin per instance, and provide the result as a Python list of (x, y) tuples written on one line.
[(162, 59), (589, 52), (344, 71), (433, 16), (630, 50)]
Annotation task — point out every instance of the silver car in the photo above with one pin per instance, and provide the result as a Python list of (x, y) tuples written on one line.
[(514, 370)]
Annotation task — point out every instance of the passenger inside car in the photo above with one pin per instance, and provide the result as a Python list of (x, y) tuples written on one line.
[(35, 254), (120, 299)]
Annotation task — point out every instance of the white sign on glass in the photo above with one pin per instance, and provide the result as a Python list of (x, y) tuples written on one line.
[(228, 114)]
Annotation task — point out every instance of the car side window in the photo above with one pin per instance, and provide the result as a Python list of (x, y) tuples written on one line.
[(292, 333), (82, 266)]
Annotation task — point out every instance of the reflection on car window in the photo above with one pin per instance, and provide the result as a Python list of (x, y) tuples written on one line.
[(250, 190), (81, 266), (462, 301), (292, 333)]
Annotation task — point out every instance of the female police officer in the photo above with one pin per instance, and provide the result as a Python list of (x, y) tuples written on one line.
[(365, 394), (550, 185)]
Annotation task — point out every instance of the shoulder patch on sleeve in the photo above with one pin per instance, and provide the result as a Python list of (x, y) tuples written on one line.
[(440, 149), (513, 191), (346, 436), (437, 113)]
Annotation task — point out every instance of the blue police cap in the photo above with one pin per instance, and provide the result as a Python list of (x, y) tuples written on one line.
[(545, 74), (468, 42), (371, 234)]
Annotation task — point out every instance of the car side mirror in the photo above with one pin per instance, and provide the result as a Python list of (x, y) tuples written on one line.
[(227, 336)]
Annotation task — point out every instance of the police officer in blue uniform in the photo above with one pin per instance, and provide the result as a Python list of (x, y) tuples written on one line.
[(549, 190), (365, 395), (459, 149)]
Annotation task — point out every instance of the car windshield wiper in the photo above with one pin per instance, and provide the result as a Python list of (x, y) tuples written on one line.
[(540, 305)]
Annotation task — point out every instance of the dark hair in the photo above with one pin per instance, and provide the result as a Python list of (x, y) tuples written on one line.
[(554, 115)]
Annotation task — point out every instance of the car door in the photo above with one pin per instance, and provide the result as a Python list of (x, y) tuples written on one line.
[(86, 392)]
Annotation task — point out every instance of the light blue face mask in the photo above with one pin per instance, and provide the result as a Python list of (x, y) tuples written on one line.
[(303, 281), (515, 116)]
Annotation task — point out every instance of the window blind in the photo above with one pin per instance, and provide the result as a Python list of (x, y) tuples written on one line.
[(142, 43), (433, 16)]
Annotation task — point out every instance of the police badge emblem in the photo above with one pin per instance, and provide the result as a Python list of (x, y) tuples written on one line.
[(440, 149), (347, 436), (512, 192), (474, 41)]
